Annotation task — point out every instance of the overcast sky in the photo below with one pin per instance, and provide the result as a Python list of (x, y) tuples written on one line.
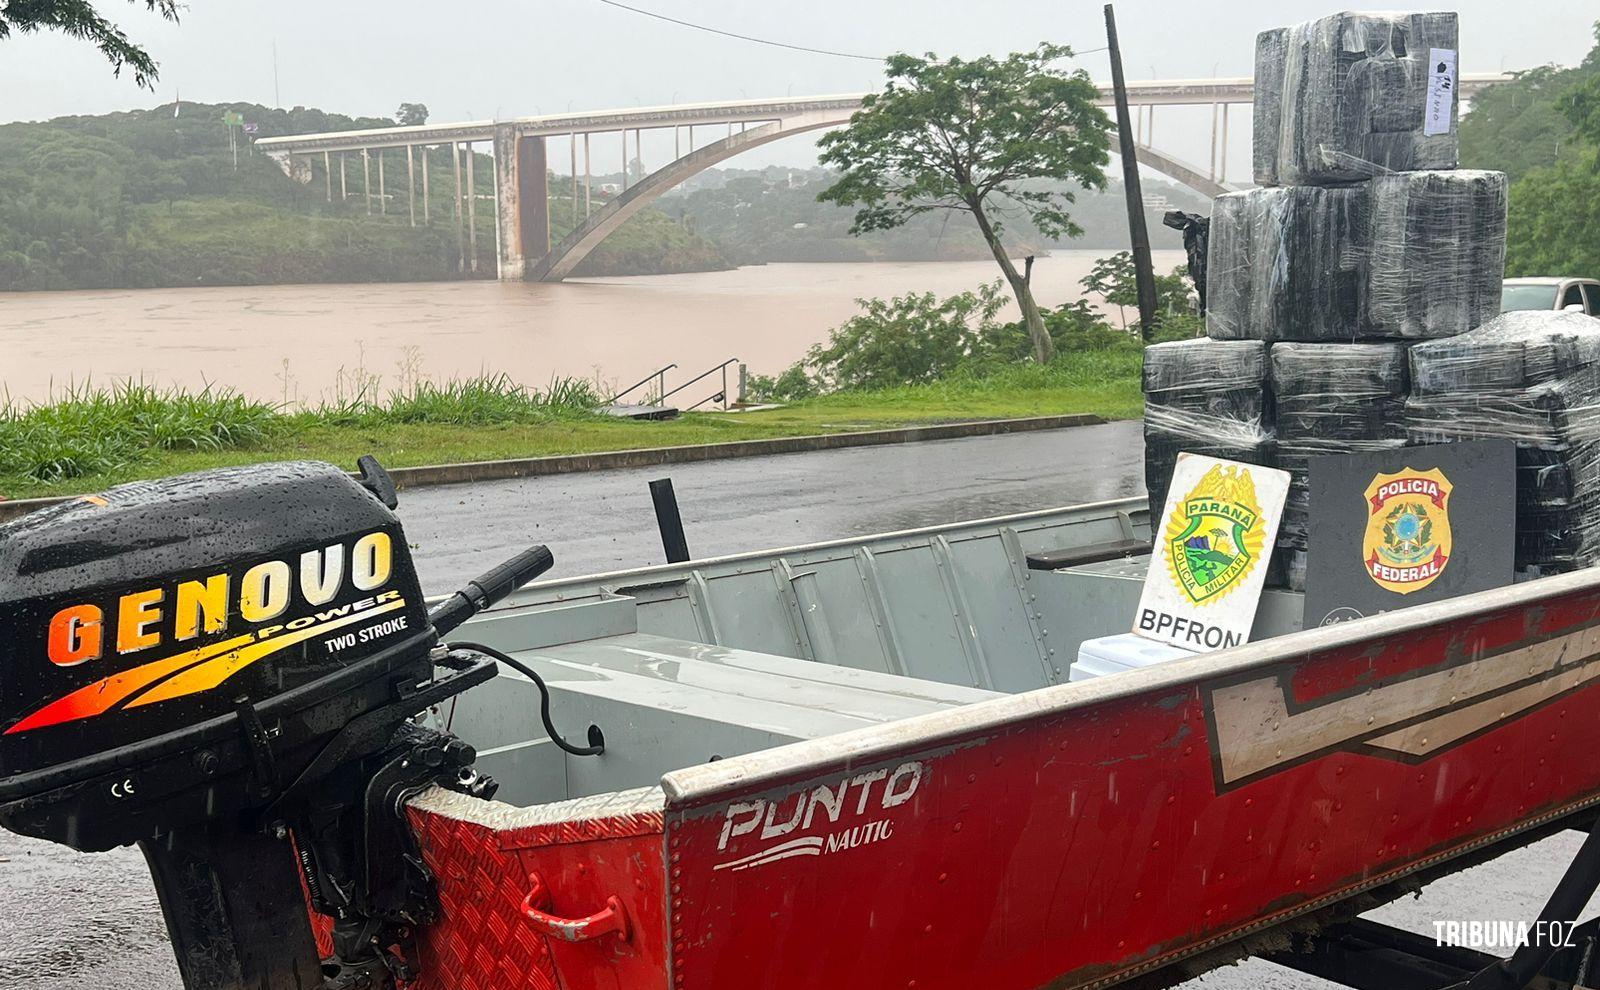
[(503, 58)]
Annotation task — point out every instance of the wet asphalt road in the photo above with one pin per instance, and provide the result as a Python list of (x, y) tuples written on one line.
[(76, 922), (603, 520)]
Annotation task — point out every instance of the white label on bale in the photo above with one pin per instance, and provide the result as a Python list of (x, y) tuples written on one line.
[(1209, 561), (1441, 91)]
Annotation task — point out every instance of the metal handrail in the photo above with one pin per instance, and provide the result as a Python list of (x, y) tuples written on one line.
[(706, 374), (657, 374)]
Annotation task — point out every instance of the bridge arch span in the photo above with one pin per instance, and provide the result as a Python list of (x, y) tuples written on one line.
[(1175, 168), (566, 256)]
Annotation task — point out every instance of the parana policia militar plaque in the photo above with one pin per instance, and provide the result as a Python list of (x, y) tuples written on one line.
[(1393, 528), (1209, 561)]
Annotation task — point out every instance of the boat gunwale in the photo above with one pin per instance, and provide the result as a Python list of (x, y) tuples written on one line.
[(640, 576), (772, 767)]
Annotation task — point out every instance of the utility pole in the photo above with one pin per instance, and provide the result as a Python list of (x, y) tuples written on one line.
[(1137, 232)]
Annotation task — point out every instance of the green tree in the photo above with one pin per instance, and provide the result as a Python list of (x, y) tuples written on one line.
[(969, 136), (158, 182), (411, 114), (1074, 327), (908, 339), (1115, 280), (1553, 224), (1553, 221), (1581, 105), (79, 19), (792, 385), (1528, 123)]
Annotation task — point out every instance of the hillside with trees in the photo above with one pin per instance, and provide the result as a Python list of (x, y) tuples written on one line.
[(157, 198), (1543, 131), (773, 215)]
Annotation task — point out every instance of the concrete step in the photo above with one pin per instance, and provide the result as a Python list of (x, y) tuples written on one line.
[(640, 412)]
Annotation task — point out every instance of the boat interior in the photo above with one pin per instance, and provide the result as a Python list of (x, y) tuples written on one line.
[(683, 664)]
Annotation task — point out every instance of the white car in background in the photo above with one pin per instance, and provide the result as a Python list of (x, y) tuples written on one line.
[(1578, 295)]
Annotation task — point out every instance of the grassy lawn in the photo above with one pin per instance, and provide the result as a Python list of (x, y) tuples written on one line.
[(1103, 384)]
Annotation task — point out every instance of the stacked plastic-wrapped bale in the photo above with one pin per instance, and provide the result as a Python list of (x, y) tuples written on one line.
[(1330, 399), (1286, 264), (1362, 229), (1435, 254), (1362, 238), (1407, 256), (1354, 95), (1533, 378), (1204, 397), (1318, 253)]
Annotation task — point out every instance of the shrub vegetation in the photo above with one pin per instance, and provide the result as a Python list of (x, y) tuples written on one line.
[(919, 338), (92, 431), (912, 358)]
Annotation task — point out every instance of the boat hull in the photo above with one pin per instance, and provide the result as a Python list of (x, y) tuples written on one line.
[(1074, 836)]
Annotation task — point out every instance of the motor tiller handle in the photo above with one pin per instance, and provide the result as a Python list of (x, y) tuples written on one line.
[(490, 587)]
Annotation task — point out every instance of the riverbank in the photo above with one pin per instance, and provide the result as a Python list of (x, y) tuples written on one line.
[(299, 344), (1104, 384)]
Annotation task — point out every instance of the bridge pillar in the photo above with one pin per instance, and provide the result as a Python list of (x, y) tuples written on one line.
[(522, 201)]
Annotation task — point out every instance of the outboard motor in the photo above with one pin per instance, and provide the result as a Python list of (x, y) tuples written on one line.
[(224, 668)]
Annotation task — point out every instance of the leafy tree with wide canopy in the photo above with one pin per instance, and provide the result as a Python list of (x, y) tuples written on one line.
[(80, 19), (411, 114), (1544, 129), (1582, 103), (974, 136)]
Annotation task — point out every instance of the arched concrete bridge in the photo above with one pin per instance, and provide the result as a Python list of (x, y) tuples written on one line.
[(522, 221), (564, 257)]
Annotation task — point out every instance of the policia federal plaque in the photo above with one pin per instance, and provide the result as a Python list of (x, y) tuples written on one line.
[(1393, 528)]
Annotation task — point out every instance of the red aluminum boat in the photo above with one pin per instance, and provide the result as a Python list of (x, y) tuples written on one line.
[(852, 764)]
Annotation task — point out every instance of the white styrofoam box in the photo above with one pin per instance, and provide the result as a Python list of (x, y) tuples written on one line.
[(1124, 651)]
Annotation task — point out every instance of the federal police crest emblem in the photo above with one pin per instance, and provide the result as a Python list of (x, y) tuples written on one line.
[(1407, 542)]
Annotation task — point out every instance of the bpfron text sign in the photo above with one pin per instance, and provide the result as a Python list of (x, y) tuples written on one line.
[(1209, 561)]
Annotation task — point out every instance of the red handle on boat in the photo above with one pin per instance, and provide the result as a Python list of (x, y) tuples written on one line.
[(609, 919)]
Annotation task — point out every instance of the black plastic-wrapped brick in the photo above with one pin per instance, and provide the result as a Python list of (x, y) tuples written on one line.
[(1534, 378), (1220, 379), (1331, 399), (1203, 397), (1272, 54), (1340, 391), (1435, 252), (1286, 264), (1347, 96)]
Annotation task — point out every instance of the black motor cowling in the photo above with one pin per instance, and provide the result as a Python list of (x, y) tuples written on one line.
[(224, 668), (167, 645)]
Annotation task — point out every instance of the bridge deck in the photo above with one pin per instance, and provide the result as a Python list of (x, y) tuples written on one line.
[(1148, 92)]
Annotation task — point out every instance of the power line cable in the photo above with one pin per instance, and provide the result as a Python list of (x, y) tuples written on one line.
[(742, 37), (767, 41)]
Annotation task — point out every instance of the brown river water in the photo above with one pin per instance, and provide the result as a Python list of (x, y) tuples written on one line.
[(302, 343)]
